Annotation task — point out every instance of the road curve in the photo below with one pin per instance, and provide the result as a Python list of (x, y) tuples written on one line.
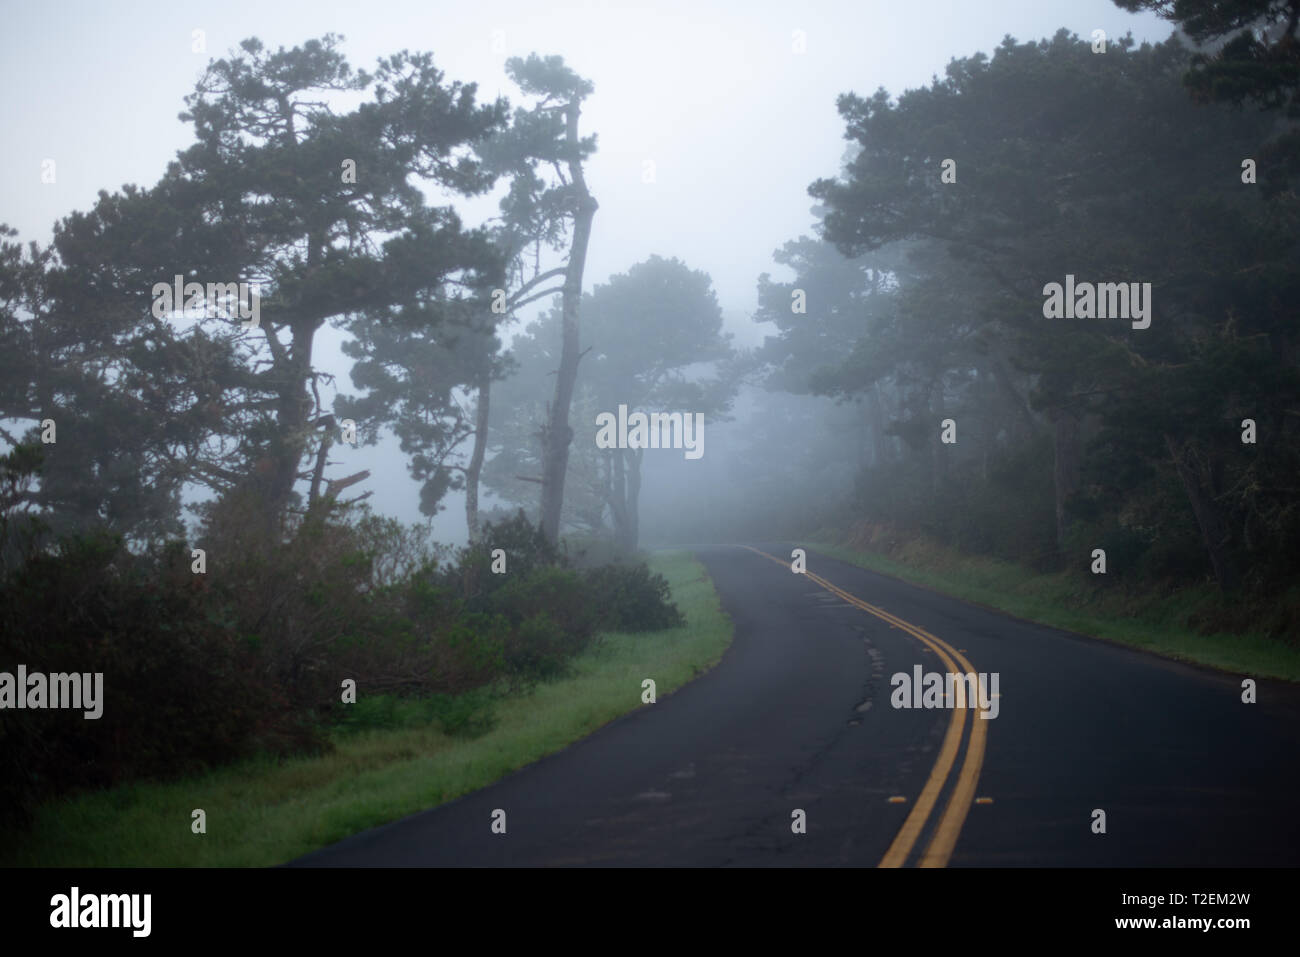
[(797, 717)]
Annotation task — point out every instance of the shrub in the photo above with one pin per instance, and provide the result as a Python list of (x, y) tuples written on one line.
[(204, 669), (540, 649), (552, 620), (630, 598), (558, 592), (181, 690), (465, 715), (526, 550)]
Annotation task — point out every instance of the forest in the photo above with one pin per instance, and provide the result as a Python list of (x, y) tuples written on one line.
[(1045, 313)]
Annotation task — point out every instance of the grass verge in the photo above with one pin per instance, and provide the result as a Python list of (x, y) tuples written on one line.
[(264, 812), (1157, 624)]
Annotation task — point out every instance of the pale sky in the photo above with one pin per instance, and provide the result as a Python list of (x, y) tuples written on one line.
[(736, 123)]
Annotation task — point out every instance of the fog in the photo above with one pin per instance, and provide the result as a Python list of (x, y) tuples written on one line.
[(394, 395), (712, 120)]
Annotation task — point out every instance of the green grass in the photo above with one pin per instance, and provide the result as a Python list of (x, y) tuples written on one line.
[(393, 761), (1158, 624)]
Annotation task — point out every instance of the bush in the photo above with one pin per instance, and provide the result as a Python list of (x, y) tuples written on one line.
[(630, 598), (465, 715), (557, 592), (181, 688), (540, 649), (552, 620), (205, 669), (296, 598), (526, 551)]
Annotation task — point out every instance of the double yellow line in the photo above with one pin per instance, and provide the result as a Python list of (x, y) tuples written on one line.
[(945, 834)]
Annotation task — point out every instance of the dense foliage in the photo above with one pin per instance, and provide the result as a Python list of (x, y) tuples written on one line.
[(926, 304), (200, 669)]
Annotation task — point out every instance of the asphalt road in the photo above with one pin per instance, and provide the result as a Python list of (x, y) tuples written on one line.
[(798, 717)]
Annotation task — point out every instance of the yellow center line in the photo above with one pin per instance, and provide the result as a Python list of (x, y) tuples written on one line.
[(950, 823), (910, 832)]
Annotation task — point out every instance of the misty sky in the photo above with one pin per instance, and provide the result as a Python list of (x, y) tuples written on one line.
[(736, 123)]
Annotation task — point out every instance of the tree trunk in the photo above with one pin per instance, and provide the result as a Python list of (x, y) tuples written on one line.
[(314, 497), (618, 496), (633, 499), (1066, 445), (1208, 520), (938, 448), (476, 457), (624, 495), (557, 435), (880, 447), (293, 411), (1027, 426), (294, 407)]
